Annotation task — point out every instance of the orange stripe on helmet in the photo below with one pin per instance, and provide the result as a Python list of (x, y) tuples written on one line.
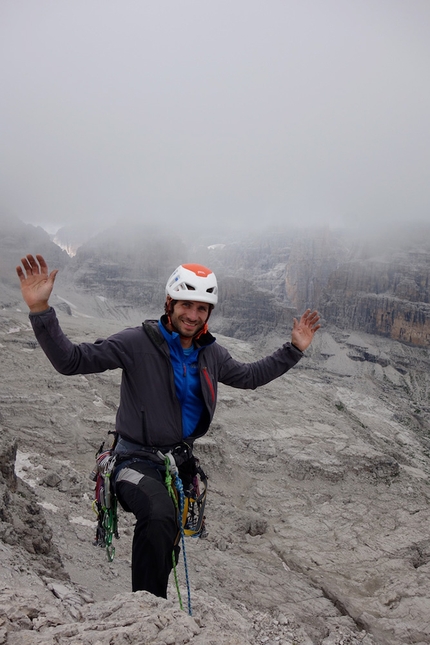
[(198, 269)]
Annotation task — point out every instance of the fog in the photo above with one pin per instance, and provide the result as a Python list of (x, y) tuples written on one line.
[(242, 112)]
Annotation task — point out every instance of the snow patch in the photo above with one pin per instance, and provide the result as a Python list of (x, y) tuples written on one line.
[(82, 521), (48, 507), (23, 466), (67, 302)]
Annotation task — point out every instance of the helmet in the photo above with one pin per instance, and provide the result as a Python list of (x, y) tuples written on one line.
[(193, 282)]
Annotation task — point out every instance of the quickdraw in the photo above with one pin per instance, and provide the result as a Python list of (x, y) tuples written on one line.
[(176, 492), (193, 518), (105, 502)]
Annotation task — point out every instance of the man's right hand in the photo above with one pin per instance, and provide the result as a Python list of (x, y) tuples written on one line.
[(36, 283)]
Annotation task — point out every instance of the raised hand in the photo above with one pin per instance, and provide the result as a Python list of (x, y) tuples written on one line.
[(304, 329), (36, 282)]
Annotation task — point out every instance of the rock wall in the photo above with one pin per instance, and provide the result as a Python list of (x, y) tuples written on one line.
[(379, 286), (128, 266), (22, 523), (386, 297), (382, 287), (17, 239)]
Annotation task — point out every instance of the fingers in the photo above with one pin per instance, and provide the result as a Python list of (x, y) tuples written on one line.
[(314, 324), (31, 266), (311, 318), (310, 315), (26, 264), (43, 265)]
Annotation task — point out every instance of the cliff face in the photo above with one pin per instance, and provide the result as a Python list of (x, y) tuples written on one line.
[(245, 311), (17, 239), (313, 259), (379, 286), (128, 266), (387, 297), (22, 522)]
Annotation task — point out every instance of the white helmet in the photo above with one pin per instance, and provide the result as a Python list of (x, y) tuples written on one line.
[(193, 282)]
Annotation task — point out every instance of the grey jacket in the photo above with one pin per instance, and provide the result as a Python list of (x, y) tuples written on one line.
[(149, 412)]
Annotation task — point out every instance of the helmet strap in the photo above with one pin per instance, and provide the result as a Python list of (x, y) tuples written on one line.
[(204, 330)]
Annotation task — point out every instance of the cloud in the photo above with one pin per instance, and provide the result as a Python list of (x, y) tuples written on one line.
[(236, 112)]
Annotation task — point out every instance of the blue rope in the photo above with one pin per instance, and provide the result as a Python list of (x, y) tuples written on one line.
[(180, 509), (180, 489)]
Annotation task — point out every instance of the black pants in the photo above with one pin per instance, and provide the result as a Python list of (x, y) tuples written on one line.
[(155, 531)]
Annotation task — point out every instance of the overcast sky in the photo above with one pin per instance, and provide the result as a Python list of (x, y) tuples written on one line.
[(295, 111)]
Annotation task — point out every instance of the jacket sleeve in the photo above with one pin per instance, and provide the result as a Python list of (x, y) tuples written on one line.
[(252, 375), (86, 358)]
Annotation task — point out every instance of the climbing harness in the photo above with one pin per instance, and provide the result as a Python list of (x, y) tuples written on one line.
[(186, 485), (105, 502)]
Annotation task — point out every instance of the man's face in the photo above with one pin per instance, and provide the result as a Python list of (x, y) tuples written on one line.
[(189, 317)]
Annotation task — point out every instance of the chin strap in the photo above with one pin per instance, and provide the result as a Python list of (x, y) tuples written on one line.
[(204, 330)]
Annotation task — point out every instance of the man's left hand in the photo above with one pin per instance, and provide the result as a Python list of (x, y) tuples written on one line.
[(304, 329)]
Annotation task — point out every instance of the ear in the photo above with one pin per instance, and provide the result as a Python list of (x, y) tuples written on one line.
[(168, 307)]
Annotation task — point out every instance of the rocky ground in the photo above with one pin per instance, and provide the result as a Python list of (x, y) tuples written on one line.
[(317, 513)]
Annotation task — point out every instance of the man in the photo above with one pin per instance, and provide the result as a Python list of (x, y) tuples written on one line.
[(171, 369)]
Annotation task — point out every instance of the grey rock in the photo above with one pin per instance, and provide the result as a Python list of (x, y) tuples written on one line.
[(52, 479), (319, 492)]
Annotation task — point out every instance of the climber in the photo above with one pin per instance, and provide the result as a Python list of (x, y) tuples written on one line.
[(171, 368)]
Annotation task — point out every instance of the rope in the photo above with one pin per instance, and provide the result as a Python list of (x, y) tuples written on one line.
[(180, 489), (180, 508)]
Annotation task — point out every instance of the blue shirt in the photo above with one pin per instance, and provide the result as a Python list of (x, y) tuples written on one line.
[(187, 380)]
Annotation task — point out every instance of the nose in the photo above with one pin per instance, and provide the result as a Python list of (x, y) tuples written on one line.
[(192, 313)]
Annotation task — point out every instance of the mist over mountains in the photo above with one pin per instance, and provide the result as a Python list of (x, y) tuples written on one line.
[(318, 507), (377, 283)]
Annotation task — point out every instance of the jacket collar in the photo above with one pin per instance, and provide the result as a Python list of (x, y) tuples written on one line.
[(151, 326)]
